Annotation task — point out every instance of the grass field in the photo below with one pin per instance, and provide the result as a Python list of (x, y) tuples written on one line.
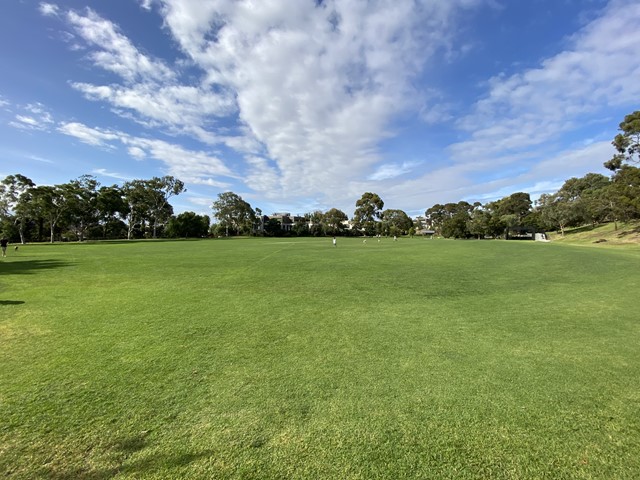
[(292, 359)]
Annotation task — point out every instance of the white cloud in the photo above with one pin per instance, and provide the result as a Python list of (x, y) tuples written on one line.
[(105, 173), (146, 4), (137, 153), (91, 136), (114, 51), (49, 9), (183, 107), (188, 165), (317, 85), (392, 170), (36, 118), (599, 69)]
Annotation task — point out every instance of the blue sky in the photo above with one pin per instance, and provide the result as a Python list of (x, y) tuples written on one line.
[(307, 104)]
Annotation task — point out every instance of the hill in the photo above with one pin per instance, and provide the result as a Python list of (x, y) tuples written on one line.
[(626, 234)]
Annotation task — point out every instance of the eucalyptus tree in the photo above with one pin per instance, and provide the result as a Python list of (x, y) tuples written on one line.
[(624, 193), (332, 220), (627, 143), (48, 202), (188, 225), (233, 213), (81, 198), (159, 191), (111, 205), (315, 221), (368, 212), (450, 219), (136, 198), (396, 222), (556, 211), (588, 197), (14, 200)]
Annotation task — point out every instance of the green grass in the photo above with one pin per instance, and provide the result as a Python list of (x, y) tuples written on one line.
[(626, 234), (278, 358)]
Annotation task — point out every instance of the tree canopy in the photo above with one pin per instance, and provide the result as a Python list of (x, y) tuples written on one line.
[(234, 214), (368, 211), (627, 143)]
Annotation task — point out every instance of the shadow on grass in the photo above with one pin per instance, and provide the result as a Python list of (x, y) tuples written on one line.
[(140, 240), (25, 267), (631, 231), (11, 302), (134, 469), (584, 228)]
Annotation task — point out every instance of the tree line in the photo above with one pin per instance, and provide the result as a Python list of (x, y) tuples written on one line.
[(589, 200), (82, 209)]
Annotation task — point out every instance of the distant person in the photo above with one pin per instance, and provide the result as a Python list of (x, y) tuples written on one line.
[(3, 243), (335, 242), (395, 238)]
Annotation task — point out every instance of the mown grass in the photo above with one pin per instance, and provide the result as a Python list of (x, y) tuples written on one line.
[(261, 358)]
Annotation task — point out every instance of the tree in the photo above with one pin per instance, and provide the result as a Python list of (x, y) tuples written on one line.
[(49, 203), (159, 191), (517, 204), (81, 197), (14, 198), (233, 213), (450, 219), (111, 204), (556, 211), (585, 196), (627, 143), (333, 219), (624, 193), (135, 196), (368, 212), (396, 222), (272, 227), (316, 223), (456, 226), (187, 225)]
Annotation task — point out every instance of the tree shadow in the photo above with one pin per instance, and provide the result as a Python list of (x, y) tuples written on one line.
[(135, 468), (27, 267), (631, 231), (11, 302)]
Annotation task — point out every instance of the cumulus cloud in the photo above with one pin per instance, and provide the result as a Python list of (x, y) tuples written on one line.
[(150, 91), (185, 107), (316, 83), (305, 92)]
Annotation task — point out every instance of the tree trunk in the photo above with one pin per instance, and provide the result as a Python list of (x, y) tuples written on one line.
[(21, 230)]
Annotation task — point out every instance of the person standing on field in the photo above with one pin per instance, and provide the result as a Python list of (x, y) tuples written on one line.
[(335, 242), (3, 243)]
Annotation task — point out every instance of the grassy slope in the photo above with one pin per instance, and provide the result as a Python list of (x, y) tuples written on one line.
[(604, 235), (294, 359)]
